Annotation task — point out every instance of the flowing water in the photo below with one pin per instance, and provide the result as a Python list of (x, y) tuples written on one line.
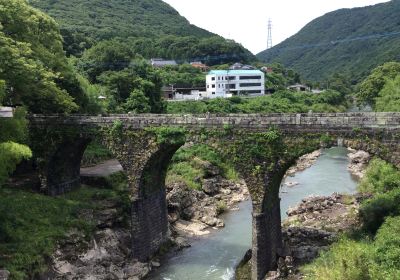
[(215, 256)]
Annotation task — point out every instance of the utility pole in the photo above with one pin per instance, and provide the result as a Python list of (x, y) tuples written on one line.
[(269, 38)]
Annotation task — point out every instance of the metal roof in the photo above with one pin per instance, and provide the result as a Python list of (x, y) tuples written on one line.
[(235, 72)]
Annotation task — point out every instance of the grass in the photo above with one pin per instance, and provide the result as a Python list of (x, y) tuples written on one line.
[(189, 166), (32, 224), (95, 153)]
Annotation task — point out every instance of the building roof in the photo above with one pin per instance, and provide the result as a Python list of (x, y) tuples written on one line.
[(235, 72)]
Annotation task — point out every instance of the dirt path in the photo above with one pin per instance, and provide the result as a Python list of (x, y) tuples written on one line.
[(103, 169)]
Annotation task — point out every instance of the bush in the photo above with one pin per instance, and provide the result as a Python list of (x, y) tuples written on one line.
[(380, 177), (221, 207), (10, 155), (387, 244), (374, 211), (346, 260)]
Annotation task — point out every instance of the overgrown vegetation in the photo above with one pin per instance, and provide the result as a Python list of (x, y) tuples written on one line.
[(381, 89), (374, 253), (189, 165), (281, 101), (95, 153)]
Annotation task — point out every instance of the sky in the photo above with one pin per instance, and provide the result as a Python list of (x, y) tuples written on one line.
[(246, 21)]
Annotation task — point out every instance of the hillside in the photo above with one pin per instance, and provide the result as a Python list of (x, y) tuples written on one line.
[(348, 41), (86, 22), (106, 19)]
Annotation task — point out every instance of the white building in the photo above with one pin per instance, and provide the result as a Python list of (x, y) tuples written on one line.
[(227, 83)]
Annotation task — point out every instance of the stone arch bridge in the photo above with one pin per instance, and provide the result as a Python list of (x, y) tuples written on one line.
[(262, 148)]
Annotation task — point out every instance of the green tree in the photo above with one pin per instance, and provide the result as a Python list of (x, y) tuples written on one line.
[(137, 102), (388, 99), (33, 63), (110, 55), (369, 89)]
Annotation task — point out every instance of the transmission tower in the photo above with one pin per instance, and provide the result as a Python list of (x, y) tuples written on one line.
[(269, 38)]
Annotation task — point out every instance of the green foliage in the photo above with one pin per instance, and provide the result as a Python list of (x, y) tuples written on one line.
[(120, 82), (280, 102), (387, 242), (182, 76), (361, 259), (388, 99), (380, 177), (343, 42), (2, 90), (346, 259), (95, 153), (14, 129), (170, 135), (370, 88), (221, 207), (32, 61), (10, 155), (153, 27), (117, 128), (137, 102), (374, 211), (189, 165), (105, 56)]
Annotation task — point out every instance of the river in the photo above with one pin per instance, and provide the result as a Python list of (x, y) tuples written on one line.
[(216, 255)]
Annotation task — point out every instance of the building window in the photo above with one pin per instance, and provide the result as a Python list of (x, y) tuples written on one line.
[(208, 86), (250, 85), (213, 92), (253, 91), (219, 86), (212, 78), (232, 78), (219, 78), (232, 86), (213, 86), (250, 78)]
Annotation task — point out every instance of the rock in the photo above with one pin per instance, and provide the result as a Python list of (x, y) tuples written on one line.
[(210, 221), (4, 274), (181, 243), (138, 270), (155, 264), (358, 163), (291, 184), (106, 218), (210, 186)]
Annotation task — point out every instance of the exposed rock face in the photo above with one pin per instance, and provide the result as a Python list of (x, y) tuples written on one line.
[(192, 212), (358, 163)]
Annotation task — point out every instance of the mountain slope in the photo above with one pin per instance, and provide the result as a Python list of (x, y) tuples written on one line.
[(105, 19), (348, 41), (84, 23)]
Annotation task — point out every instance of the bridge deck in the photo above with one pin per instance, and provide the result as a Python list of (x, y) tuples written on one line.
[(252, 121)]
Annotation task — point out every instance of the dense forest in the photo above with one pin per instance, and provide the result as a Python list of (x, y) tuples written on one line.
[(346, 41), (157, 29)]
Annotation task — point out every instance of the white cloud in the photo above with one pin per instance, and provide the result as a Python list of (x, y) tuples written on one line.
[(246, 21)]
